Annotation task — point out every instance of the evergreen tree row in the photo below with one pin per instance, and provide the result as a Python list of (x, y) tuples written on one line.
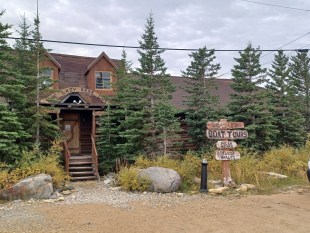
[(21, 117)]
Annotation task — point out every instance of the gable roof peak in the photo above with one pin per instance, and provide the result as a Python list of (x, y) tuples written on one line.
[(103, 54)]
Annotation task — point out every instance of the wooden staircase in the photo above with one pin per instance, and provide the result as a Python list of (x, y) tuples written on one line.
[(81, 167)]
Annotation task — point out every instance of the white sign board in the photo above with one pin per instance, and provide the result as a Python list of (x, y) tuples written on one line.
[(227, 155), (226, 144)]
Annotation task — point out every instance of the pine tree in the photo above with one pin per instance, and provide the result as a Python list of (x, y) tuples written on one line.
[(201, 103), (288, 119), (250, 104), (121, 130), (300, 83), (107, 141), (154, 85), (12, 133), (11, 88), (129, 111), (43, 128)]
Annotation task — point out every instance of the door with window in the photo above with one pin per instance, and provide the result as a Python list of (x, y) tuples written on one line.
[(71, 130)]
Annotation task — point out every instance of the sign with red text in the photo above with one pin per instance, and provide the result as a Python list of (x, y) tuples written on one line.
[(225, 125)]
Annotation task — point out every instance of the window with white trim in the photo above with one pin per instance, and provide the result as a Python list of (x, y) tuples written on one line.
[(103, 80)]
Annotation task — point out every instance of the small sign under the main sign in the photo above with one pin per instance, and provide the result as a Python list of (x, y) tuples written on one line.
[(225, 125), (226, 144), (227, 155), (227, 134)]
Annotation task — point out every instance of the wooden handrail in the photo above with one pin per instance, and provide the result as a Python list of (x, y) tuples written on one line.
[(67, 156), (94, 156)]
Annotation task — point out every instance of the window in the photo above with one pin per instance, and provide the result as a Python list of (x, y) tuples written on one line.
[(46, 75), (103, 80)]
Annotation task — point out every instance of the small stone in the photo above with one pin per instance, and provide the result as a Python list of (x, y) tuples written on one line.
[(66, 192), (218, 190), (116, 188), (49, 200), (60, 199)]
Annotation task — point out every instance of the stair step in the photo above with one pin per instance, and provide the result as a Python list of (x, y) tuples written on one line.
[(80, 157), (81, 168), (81, 173), (80, 162), (84, 178)]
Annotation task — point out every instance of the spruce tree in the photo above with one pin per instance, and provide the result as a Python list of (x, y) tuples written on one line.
[(43, 128), (201, 104), (154, 85), (121, 129), (129, 111), (250, 103), (12, 133), (300, 83), (288, 118)]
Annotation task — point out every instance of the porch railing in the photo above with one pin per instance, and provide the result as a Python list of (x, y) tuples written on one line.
[(67, 156), (94, 156)]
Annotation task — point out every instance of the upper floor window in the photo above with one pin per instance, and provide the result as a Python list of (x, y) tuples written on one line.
[(46, 75), (103, 80)]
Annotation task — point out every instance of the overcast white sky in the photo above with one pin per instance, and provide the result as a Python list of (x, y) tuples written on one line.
[(218, 24)]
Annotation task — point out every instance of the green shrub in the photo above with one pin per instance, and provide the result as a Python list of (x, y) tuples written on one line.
[(130, 181), (35, 162)]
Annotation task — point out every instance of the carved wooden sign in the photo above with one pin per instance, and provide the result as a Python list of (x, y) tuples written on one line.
[(68, 90), (222, 130), (227, 134), (227, 155), (225, 125), (226, 145)]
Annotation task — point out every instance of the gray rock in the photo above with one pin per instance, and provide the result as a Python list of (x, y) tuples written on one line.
[(36, 187), (163, 180)]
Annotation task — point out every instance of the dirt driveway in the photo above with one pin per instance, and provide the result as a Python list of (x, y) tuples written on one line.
[(284, 212)]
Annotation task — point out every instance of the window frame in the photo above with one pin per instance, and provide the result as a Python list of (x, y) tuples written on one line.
[(103, 81), (51, 80)]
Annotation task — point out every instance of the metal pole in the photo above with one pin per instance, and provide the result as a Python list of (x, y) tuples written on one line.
[(204, 176)]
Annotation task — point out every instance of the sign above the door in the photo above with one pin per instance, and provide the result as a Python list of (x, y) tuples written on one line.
[(68, 90)]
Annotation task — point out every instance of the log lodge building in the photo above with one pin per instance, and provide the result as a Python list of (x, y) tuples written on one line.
[(77, 99)]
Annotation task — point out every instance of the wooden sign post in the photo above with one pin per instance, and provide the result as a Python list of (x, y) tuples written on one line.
[(222, 130)]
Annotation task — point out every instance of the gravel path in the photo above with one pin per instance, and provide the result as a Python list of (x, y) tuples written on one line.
[(18, 216)]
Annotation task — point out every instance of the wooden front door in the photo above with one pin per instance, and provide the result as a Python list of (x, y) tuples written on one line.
[(71, 130)]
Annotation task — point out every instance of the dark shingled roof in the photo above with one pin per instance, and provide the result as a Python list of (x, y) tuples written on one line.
[(73, 69), (223, 91)]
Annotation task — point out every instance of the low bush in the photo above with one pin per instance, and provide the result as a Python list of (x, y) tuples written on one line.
[(188, 168), (130, 181), (35, 162)]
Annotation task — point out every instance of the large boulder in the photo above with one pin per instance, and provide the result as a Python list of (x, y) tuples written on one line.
[(163, 180), (36, 187)]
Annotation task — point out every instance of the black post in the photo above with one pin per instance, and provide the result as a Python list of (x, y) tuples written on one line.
[(204, 176)]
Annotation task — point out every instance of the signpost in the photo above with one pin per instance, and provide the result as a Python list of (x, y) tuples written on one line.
[(222, 130)]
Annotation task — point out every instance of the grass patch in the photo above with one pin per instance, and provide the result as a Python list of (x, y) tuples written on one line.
[(249, 169)]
